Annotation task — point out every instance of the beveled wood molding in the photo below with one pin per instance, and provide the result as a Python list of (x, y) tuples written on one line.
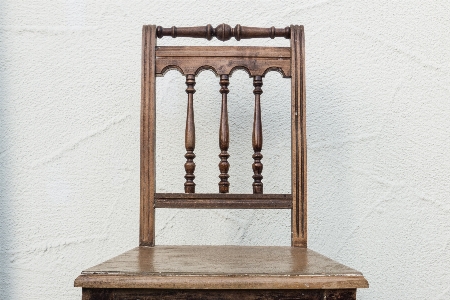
[(224, 32), (148, 138), (298, 139), (256, 61), (220, 282)]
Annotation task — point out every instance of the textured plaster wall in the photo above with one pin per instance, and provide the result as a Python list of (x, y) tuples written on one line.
[(378, 107)]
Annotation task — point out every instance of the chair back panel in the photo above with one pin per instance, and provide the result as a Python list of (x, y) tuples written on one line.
[(223, 61)]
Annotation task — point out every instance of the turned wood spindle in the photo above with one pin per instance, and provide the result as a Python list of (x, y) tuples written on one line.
[(224, 32), (224, 138), (257, 138), (189, 166)]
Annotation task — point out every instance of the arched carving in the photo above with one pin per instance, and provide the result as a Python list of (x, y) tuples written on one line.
[(171, 68), (218, 70), (242, 68), (256, 61), (206, 68), (275, 69), (225, 71)]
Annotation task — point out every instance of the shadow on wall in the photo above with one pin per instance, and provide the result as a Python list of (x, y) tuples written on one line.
[(5, 222)]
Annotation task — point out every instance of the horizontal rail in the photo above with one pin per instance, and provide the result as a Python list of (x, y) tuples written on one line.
[(256, 61), (224, 51), (231, 201), (224, 32)]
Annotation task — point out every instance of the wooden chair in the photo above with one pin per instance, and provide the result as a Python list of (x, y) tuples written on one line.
[(222, 272)]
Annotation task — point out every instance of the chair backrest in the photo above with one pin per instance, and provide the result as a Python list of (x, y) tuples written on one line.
[(257, 61)]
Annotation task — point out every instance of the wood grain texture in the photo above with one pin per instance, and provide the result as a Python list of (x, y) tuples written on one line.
[(224, 137), (223, 32), (189, 137), (227, 201), (221, 267), (166, 294), (224, 51), (222, 272), (257, 138), (148, 138), (298, 140), (223, 60)]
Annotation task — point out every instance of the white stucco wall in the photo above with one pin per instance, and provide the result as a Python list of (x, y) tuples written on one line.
[(378, 107)]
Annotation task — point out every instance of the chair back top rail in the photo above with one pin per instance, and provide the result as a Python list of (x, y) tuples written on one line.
[(223, 60), (224, 32)]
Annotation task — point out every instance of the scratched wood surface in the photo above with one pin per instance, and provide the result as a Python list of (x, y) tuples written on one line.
[(221, 267)]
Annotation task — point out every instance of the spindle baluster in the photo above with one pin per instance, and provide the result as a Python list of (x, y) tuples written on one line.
[(224, 32), (224, 138), (189, 166), (257, 138)]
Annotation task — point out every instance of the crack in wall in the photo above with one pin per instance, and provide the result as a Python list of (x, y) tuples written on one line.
[(74, 143)]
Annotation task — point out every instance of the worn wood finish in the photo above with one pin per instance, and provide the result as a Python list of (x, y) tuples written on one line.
[(189, 137), (218, 52), (234, 201), (224, 60), (222, 272), (221, 267), (224, 137), (148, 134), (298, 138), (224, 32), (257, 138), (169, 294)]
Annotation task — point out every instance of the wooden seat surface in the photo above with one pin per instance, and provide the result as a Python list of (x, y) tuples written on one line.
[(221, 267), (151, 272)]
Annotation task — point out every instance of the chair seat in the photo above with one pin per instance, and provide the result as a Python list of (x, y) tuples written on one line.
[(221, 267), (222, 272)]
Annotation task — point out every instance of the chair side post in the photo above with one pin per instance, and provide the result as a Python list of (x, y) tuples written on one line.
[(148, 137), (298, 138)]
